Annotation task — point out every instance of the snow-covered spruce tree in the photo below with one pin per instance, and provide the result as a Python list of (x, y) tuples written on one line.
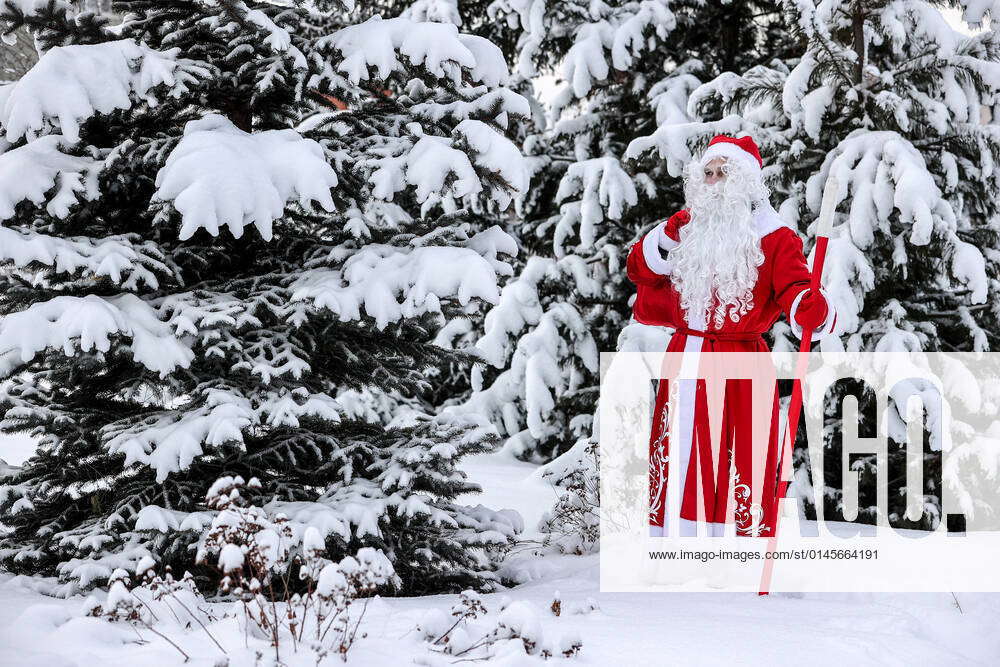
[(451, 383), (614, 72), (891, 100), (619, 72), (208, 273)]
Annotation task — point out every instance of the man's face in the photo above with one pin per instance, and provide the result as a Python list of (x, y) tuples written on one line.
[(713, 171)]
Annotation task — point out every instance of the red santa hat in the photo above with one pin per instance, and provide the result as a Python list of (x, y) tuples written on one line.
[(742, 150)]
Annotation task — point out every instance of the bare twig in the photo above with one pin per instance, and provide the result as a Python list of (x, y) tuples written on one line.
[(168, 640), (198, 620)]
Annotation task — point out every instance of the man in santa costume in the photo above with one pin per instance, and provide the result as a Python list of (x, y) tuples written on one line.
[(720, 272)]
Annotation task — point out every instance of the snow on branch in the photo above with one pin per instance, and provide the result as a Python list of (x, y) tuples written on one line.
[(585, 61), (391, 283), (21, 9), (669, 96), (750, 92), (32, 7), (126, 263), (437, 47), (968, 266), (277, 37), (428, 165), (274, 36), (40, 7), (848, 276), (228, 327), (603, 188), (497, 154), (160, 519), (441, 11), (31, 171), (618, 32), (219, 175), (623, 36), (628, 40), (89, 323), (976, 10), (882, 172), (169, 441), (70, 84), (674, 142), (505, 101), (438, 166), (527, 338)]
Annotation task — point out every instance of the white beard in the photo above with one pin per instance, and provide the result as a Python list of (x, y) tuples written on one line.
[(719, 249)]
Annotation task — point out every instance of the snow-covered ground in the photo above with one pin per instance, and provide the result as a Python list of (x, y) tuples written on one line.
[(634, 629)]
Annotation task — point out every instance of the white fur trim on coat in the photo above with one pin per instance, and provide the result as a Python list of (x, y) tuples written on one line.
[(828, 325), (652, 243), (766, 219)]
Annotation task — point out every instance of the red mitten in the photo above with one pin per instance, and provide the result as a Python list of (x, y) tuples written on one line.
[(811, 311), (674, 224)]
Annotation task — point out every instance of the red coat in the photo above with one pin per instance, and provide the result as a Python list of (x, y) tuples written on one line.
[(782, 280)]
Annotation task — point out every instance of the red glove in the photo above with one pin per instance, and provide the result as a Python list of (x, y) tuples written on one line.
[(674, 224), (811, 311)]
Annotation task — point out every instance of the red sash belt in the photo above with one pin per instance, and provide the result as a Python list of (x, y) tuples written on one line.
[(720, 335)]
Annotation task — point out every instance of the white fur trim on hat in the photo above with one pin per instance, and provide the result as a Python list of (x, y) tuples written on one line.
[(731, 151)]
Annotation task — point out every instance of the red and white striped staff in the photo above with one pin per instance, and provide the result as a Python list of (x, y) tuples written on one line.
[(831, 192)]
